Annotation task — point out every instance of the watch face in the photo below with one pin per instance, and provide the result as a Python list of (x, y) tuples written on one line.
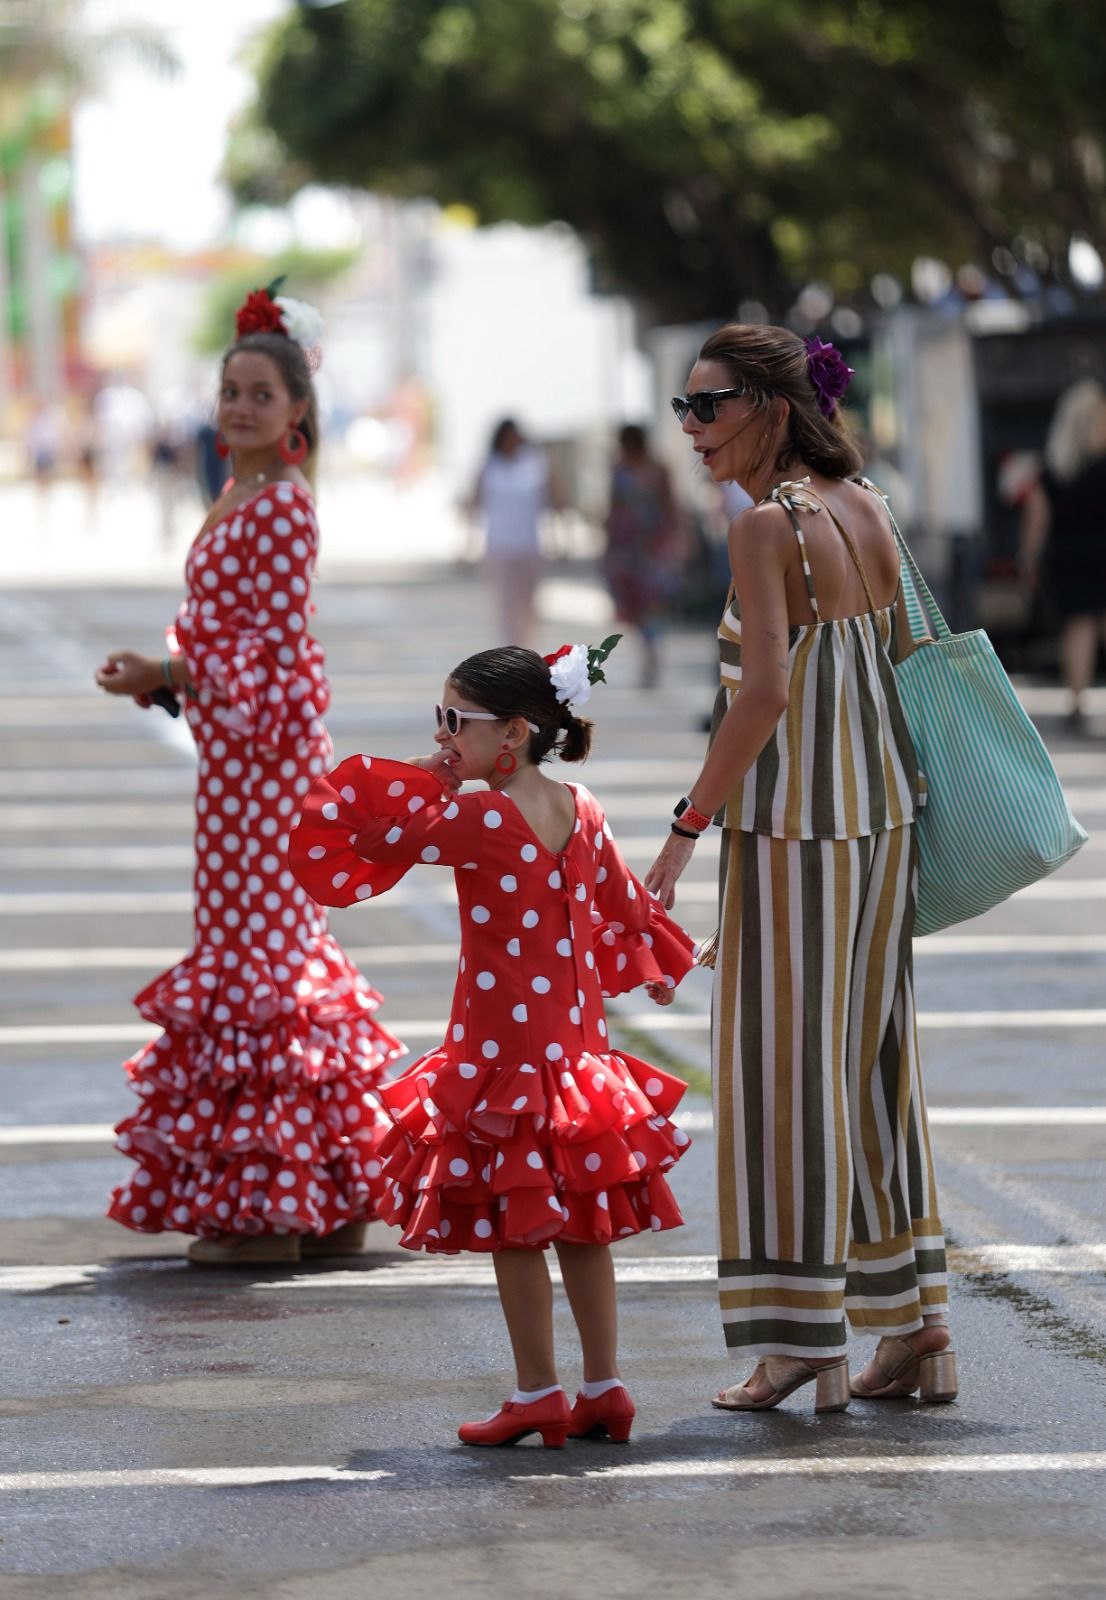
[(681, 807)]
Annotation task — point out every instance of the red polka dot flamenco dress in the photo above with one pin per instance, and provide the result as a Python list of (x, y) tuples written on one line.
[(524, 1126), (259, 1111)]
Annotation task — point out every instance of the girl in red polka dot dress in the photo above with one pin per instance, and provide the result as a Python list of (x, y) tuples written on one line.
[(258, 1110), (525, 1127)]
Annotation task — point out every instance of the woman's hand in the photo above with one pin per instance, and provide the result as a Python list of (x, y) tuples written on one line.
[(660, 993), (663, 875), (126, 672), (439, 766)]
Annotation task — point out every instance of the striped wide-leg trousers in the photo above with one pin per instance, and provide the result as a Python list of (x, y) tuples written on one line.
[(827, 1204)]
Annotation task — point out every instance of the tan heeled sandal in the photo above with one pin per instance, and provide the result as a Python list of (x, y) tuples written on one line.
[(786, 1374), (253, 1250), (932, 1375), (348, 1240)]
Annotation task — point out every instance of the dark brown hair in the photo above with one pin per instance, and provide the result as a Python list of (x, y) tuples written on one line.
[(772, 362), (291, 362), (512, 682)]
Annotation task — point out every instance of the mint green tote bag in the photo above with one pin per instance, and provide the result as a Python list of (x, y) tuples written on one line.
[(995, 817)]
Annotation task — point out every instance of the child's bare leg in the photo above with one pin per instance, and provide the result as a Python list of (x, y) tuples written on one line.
[(588, 1273), (526, 1296)]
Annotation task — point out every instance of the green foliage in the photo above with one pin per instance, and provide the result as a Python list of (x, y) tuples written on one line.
[(309, 270), (709, 150)]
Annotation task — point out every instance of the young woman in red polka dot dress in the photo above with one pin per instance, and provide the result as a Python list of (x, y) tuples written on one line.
[(258, 1110), (524, 1128)]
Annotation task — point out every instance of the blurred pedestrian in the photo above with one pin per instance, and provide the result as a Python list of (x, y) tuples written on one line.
[(88, 462), (44, 441), (258, 1114), (165, 467), (211, 467), (514, 488), (1063, 540), (639, 562), (827, 1202)]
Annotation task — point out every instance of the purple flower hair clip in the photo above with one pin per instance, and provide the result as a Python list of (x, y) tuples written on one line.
[(828, 373)]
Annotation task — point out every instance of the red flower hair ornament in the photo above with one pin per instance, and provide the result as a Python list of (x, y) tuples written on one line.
[(264, 311), (259, 314)]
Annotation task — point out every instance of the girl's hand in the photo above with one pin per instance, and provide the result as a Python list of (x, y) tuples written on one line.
[(126, 672), (439, 765), (660, 993), (662, 877)]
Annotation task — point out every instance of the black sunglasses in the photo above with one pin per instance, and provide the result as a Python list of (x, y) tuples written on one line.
[(704, 402)]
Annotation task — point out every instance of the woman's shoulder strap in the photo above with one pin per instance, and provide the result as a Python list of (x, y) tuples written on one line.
[(795, 496)]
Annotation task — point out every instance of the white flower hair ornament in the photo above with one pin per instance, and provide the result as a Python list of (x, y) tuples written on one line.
[(302, 323), (575, 667)]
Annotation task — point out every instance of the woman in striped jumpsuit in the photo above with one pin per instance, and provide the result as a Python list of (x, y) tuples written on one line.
[(827, 1203)]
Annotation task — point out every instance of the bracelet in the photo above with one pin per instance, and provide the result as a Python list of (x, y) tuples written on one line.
[(686, 813), (167, 672), (684, 833)]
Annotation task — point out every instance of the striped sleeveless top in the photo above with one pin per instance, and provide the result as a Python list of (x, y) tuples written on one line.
[(841, 762)]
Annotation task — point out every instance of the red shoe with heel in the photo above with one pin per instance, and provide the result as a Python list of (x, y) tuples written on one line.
[(513, 1421), (612, 1415)]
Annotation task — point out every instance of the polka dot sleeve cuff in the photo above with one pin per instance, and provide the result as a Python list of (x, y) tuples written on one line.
[(370, 820), (659, 953)]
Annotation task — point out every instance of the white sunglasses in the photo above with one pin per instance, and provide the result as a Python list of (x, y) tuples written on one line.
[(452, 718)]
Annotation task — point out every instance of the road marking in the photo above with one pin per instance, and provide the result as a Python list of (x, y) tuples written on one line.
[(744, 1466), (752, 1466), (478, 1272), (156, 902), (98, 858), (113, 817), (140, 958), (637, 1021), (955, 1117), (183, 1478), (180, 857), (698, 1122)]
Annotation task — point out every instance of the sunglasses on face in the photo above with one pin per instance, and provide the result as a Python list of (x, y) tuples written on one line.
[(704, 402), (452, 719)]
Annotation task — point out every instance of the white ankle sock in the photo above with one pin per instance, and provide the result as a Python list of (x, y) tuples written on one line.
[(526, 1397), (592, 1391)]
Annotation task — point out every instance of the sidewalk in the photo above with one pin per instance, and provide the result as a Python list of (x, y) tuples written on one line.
[(61, 535)]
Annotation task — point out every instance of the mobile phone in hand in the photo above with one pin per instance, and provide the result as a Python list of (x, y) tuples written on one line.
[(166, 700)]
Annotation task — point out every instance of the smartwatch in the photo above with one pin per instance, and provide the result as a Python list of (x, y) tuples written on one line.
[(685, 813)]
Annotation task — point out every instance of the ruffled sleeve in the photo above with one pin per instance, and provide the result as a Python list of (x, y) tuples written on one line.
[(367, 822), (246, 637), (634, 939)]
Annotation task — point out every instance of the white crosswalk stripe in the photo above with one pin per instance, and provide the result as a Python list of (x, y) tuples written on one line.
[(662, 1022), (19, 1135), (476, 1271)]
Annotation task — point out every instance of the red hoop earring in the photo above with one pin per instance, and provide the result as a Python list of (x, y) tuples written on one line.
[(293, 449), (506, 762), (222, 448)]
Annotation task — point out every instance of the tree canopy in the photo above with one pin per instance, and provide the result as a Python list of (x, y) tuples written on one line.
[(709, 151)]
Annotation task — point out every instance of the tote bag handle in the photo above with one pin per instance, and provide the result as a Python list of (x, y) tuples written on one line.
[(922, 613)]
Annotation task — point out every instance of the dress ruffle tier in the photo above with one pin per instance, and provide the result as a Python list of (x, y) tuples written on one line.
[(260, 1110), (486, 1158)]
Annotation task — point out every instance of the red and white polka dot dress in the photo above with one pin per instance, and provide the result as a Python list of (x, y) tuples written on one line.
[(524, 1126), (259, 1111)]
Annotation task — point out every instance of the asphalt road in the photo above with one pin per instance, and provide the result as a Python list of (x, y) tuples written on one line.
[(170, 1433)]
